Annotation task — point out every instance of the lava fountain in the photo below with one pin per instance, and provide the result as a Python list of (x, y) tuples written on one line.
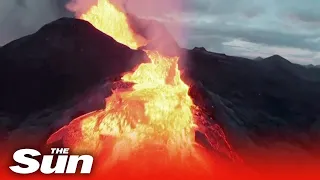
[(148, 129)]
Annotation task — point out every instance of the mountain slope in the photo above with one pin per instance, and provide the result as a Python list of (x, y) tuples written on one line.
[(62, 58), (259, 104), (273, 100)]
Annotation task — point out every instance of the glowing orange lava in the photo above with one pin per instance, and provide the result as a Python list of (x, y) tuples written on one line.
[(110, 20), (147, 126)]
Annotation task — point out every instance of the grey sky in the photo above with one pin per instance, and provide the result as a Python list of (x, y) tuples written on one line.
[(290, 28)]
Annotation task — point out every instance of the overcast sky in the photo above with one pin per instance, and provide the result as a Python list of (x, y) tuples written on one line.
[(290, 28)]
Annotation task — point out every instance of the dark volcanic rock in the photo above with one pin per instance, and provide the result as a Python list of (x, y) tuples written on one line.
[(43, 123), (221, 110), (259, 102), (60, 60), (260, 105)]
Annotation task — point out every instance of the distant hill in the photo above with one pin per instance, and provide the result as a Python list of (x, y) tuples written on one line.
[(276, 59), (312, 66), (258, 58)]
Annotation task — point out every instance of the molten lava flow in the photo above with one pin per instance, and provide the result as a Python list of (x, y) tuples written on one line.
[(110, 20), (149, 125)]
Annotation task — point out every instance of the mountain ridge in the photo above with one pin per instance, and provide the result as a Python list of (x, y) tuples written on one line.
[(259, 104)]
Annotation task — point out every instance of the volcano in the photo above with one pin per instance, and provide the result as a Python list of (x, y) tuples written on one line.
[(152, 113), (150, 124)]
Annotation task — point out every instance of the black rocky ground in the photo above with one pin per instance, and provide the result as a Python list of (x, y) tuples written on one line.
[(270, 106), (61, 59), (66, 69)]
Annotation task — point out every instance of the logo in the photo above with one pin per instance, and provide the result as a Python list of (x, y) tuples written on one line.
[(65, 163)]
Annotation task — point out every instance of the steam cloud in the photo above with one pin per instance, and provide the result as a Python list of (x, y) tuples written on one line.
[(21, 17)]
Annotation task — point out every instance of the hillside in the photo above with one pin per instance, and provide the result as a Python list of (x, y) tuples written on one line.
[(65, 70)]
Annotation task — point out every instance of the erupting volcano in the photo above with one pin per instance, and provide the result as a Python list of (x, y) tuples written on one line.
[(146, 129)]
